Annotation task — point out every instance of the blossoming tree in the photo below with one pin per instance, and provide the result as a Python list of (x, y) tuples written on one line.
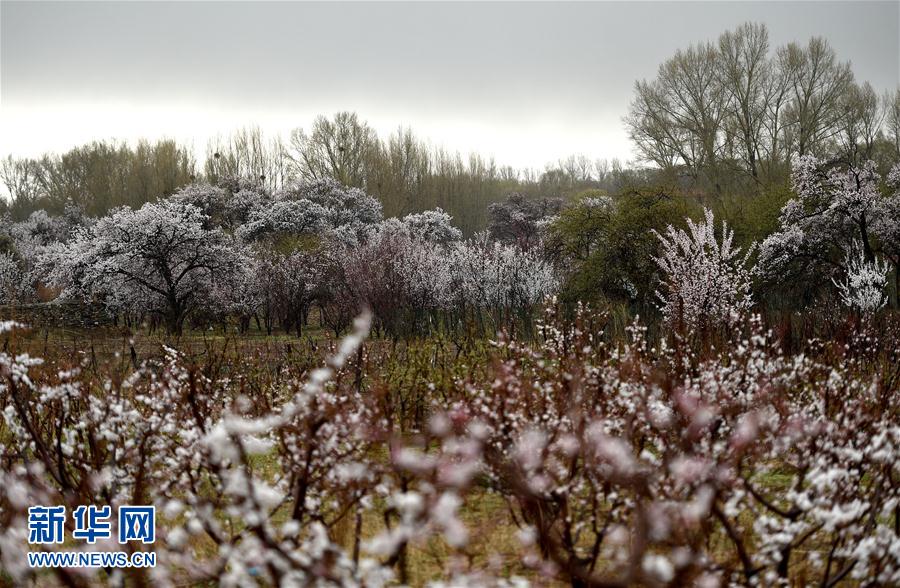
[(705, 281), (835, 211), (159, 259)]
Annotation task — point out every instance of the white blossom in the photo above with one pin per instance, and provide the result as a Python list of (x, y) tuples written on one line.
[(706, 282)]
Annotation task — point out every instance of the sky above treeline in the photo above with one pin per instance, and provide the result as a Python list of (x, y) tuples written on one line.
[(525, 83)]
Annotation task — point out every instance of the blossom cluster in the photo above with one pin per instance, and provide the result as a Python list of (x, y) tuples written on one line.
[(706, 282), (208, 254), (620, 463), (838, 226), (418, 276)]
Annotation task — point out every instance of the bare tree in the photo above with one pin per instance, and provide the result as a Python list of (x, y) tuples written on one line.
[(744, 75), (892, 119), (861, 123), (601, 170), (398, 171), (339, 148), (577, 168), (21, 178), (98, 176), (678, 118), (247, 155), (777, 92), (817, 84)]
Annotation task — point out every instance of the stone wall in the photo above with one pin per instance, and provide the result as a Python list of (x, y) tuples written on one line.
[(57, 314)]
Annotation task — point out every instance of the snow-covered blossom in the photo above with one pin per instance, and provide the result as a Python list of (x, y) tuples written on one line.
[(305, 208), (621, 463), (158, 259), (863, 287), (291, 217), (222, 207), (432, 225), (206, 197), (343, 206), (394, 271), (519, 220), (887, 224), (489, 274), (706, 282), (15, 285), (833, 209), (600, 203)]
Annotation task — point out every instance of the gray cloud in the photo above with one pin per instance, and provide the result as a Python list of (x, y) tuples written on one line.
[(526, 82)]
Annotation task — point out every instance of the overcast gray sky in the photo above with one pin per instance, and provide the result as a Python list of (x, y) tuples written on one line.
[(525, 82)]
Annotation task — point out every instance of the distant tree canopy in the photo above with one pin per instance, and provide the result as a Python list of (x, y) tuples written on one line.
[(96, 177), (248, 156), (608, 245), (731, 114), (725, 126), (405, 173), (402, 172), (519, 220)]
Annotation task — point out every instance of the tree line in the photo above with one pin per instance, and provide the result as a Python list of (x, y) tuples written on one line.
[(730, 114), (815, 203), (404, 172)]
